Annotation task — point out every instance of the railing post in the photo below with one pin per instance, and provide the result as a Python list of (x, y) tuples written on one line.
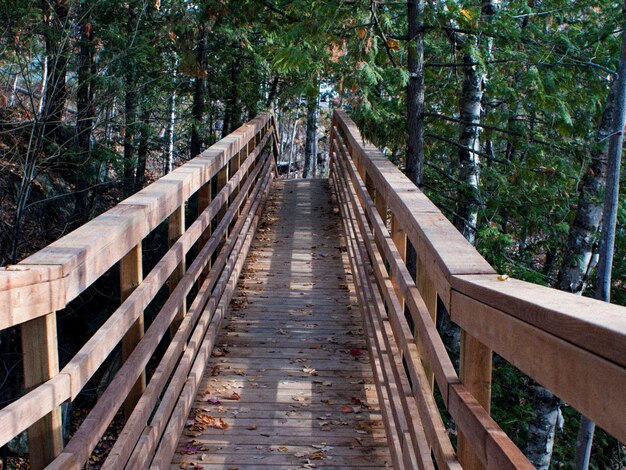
[(41, 362), (235, 163), (131, 275), (429, 295), (475, 373), (222, 180), (175, 229), (205, 195), (399, 239)]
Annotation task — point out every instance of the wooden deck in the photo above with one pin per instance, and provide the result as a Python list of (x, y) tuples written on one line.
[(289, 384)]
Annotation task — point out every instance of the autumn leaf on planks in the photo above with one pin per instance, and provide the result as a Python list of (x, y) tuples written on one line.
[(356, 352), (233, 396), (190, 466), (193, 448), (210, 422), (213, 401)]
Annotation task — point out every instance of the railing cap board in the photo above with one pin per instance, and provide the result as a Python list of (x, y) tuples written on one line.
[(596, 326), (85, 254)]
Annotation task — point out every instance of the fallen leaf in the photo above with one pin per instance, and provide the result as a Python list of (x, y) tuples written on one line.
[(356, 352), (233, 396), (217, 352), (346, 409), (213, 401)]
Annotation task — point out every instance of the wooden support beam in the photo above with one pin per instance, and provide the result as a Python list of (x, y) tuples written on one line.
[(222, 179), (475, 368), (175, 229), (41, 362), (205, 196), (131, 275), (429, 293), (399, 239)]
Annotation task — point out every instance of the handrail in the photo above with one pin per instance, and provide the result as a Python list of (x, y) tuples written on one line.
[(49, 279), (241, 167), (577, 337)]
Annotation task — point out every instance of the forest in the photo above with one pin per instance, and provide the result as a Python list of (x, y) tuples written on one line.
[(508, 114)]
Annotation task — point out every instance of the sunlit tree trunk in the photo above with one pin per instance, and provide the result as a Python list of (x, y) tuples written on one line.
[(470, 106), (310, 147)]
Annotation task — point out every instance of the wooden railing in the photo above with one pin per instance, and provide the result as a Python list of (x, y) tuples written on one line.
[(232, 180), (574, 346)]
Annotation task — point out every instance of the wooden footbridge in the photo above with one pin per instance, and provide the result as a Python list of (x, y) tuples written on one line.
[(294, 335)]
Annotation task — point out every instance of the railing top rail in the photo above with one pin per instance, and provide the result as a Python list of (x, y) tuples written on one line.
[(47, 280)]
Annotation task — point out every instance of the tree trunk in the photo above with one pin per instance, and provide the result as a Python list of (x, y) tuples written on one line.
[(415, 93), (584, 230), (540, 437), (56, 39), (84, 121), (474, 76), (232, 114), (272, 94), (169, 160), (199, 92), (609, 224), (310, 148), (130, 109), (142, 151), (468, 198), (293, 137)]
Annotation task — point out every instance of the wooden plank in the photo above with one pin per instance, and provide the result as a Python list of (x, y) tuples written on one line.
[(545, 357), (175, 230), (598, 327), (131, 275), (41, 362)]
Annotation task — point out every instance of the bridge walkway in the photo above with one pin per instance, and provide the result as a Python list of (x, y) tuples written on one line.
[(289, 384)]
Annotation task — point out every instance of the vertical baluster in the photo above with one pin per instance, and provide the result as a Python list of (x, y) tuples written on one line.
[(41, 362), (175, 229), (131, 275)]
